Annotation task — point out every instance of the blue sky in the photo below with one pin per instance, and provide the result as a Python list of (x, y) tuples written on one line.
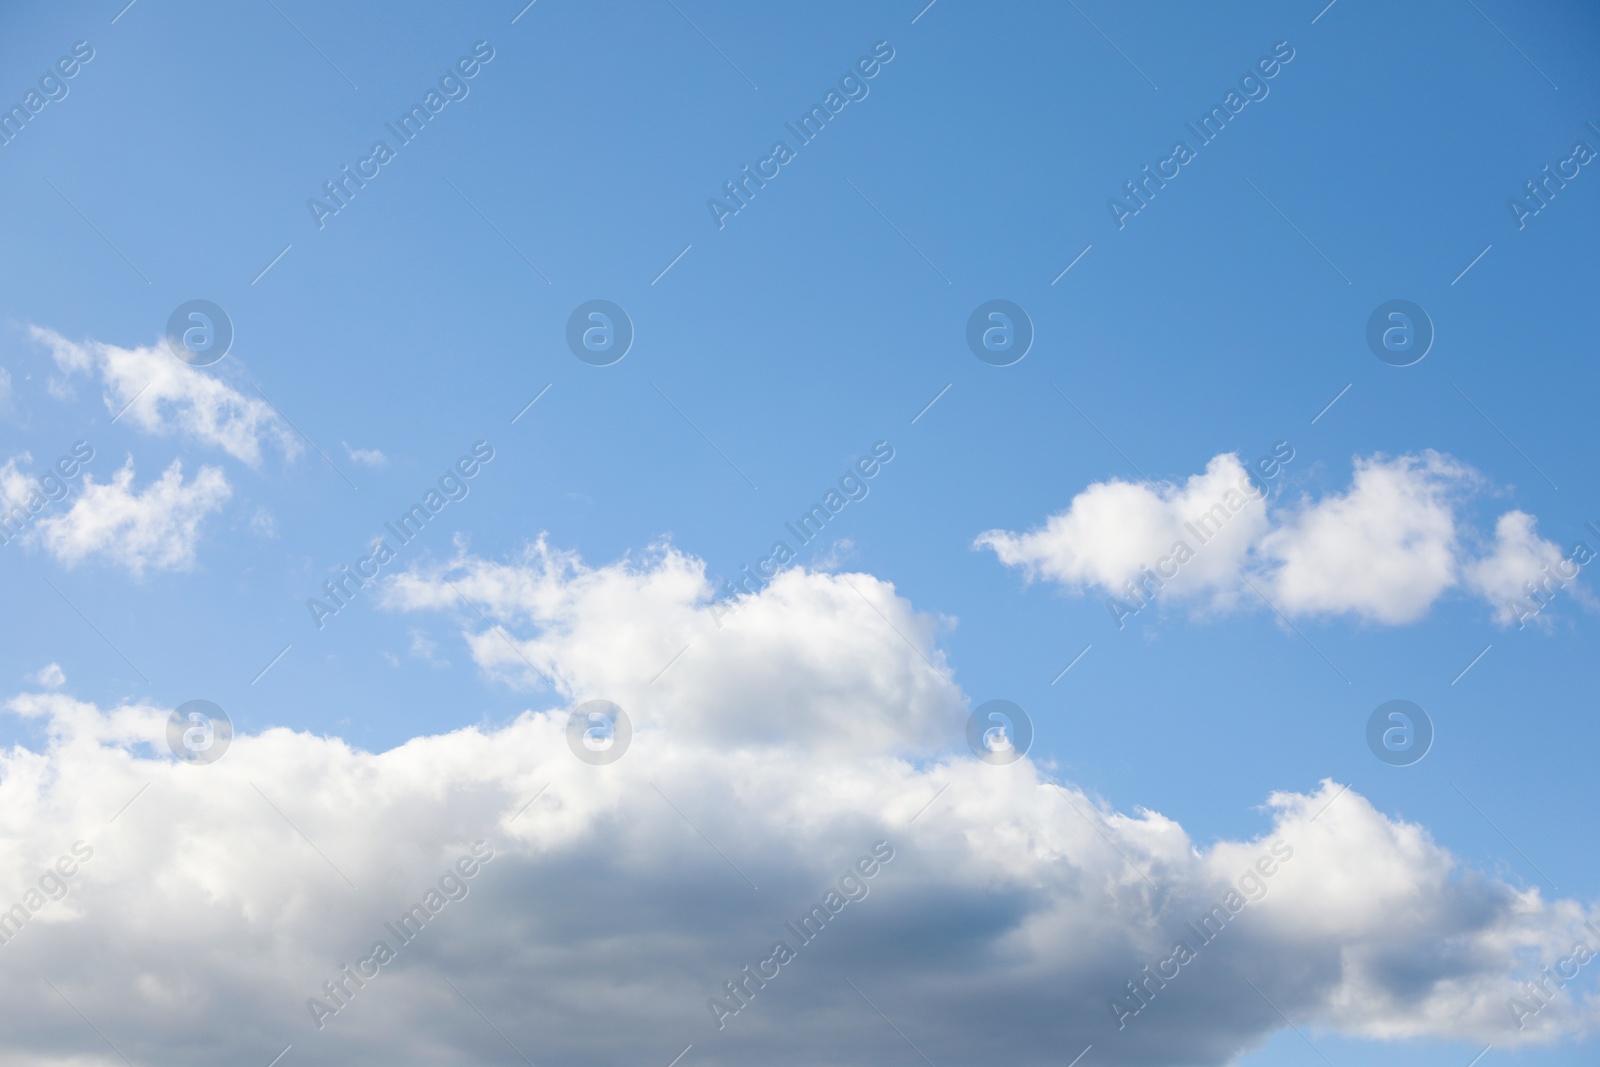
[(781, 345)]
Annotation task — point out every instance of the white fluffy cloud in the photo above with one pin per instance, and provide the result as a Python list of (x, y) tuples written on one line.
[(1114, 529), (154, 527), (1523, 570), (776, 751), (173, 397), (1383, 550), (16, 486), (612, 630)]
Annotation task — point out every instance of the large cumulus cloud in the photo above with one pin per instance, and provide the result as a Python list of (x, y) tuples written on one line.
[(770, 754)]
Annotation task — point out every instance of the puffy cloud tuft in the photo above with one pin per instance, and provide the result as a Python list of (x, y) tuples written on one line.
[(1114, 529), (1384, 550), (1523, 571), (157, 527)]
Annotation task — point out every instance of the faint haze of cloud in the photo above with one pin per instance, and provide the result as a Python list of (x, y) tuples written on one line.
[(51, 676), (365, 457)]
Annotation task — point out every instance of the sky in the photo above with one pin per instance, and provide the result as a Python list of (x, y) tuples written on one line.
[(1199, 381)]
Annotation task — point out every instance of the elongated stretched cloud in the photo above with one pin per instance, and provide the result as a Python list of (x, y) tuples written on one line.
[(162, 395), (1385, 550), (222, 912)]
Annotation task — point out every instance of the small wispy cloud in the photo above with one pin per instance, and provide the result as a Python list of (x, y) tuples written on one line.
[(149, 389), (51, 676), (365, 457)]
